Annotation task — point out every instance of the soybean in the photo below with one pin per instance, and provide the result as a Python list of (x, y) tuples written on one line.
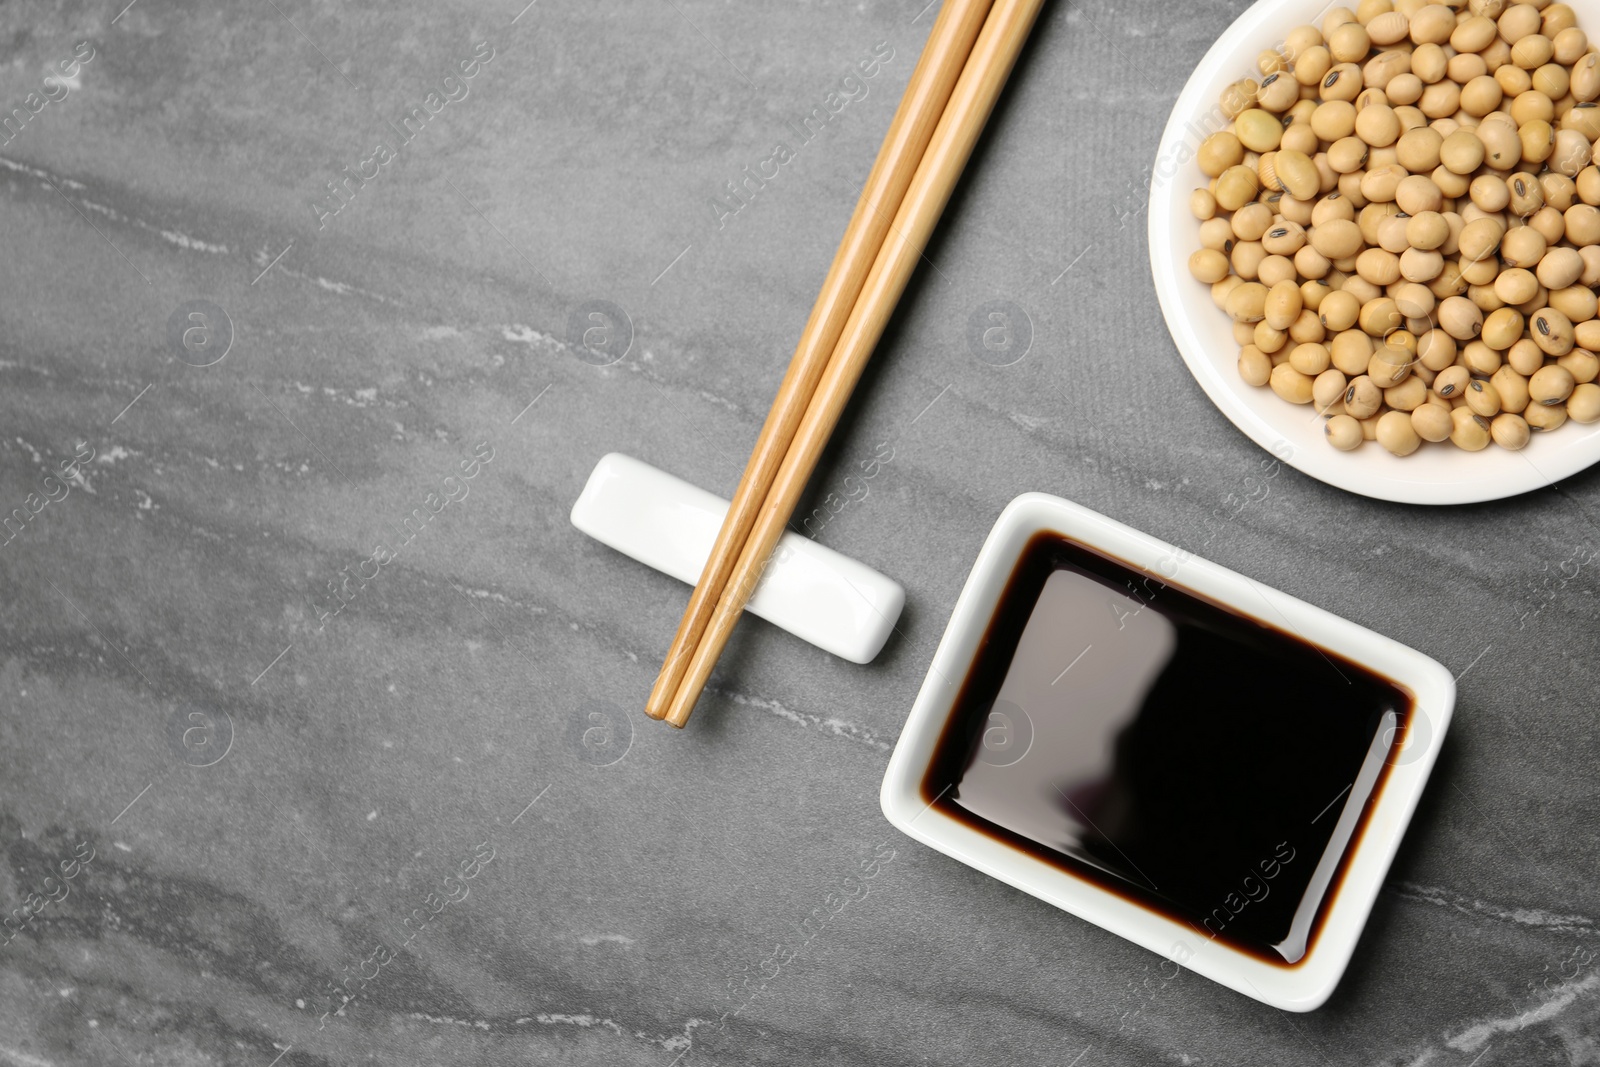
[(1584, 403), (1509, 431), (1396, 433), (1343, 433), (1431, 422), (1551, 385)]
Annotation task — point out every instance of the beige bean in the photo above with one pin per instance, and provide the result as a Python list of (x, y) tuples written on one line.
[(1502, 148), (1306, 326), (1310, 359), (1378, 266), (1408, 395), (1451, 383), (1339, 311), (1389, 366), (1278, 91), (1419, 266), (1431, 422), (1532, 51), (1511, 387), (1559, 268), (1469, 432), (1571, 151), (1550, 385), (1219, 152), (1502, 328), (1489, 193), (1483, 398), (1337, 238), (1258, 130), (1220, 291), (1327, 389), (1552, 223), (1460, 318), (1551, 331), (1576, 302), (1380, 184), (1473, 34), (1515, 286), (1584, 403), (1586, 335), (1542, 418), (1282, 305), (1582, 224), (1480, 238), (1236, 187), (1377, 125), (1362, 397), (1297, 174), (1480, 359), (1349, 43), (1380, 317), (1416, 194), (1436, 349), (1513, 80), (1255, 366), (1584, 366), (1538, 139), (1246, 258), (1560, 191), (1396, 433), (1585, 85), (1266, 338), (1509, 431), (1461, 152), (1247, 303), (1531, 105), (1290, 384), (1217, 233), (1208, 265), (1523, 246), (1312, 65), (1343, 433), (1570, 43)]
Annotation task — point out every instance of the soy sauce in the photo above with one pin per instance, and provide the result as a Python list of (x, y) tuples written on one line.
[(1183, 755)]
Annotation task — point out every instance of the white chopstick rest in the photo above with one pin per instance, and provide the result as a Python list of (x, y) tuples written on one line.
[(815, 593)]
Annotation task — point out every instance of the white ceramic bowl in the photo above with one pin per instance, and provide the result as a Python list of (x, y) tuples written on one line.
[(1301, 987), (1434, 474)]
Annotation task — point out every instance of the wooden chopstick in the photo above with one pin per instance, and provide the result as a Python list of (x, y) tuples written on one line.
[(943, 58), (971, 102)]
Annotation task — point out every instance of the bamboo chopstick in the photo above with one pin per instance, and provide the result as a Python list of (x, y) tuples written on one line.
[(943, 58), (987, 69)]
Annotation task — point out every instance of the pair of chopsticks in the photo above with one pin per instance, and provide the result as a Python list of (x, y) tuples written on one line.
[(969, 55)]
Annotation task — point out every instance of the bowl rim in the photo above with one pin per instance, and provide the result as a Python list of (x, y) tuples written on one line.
[(1306, 985), (1370, 471)]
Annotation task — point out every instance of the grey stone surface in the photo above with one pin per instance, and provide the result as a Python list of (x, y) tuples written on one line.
[(269, 798)]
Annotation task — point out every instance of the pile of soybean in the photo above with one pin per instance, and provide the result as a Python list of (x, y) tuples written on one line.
[(1403, 222)]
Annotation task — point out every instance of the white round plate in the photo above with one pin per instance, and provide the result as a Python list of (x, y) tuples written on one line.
[(1435, 473)]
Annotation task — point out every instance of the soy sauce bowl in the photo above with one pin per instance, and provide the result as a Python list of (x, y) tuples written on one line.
[(1407, 760), (1437, 473)]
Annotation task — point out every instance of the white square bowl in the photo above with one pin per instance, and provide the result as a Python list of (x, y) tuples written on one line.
[(1302, 986)]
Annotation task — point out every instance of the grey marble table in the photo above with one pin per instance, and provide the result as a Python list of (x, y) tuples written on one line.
[(278, 762)]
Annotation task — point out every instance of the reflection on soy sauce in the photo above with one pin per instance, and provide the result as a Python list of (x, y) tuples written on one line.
[(1168, 749)]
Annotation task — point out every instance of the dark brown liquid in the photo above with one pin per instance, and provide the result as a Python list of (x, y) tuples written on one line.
[(1173, 751)]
